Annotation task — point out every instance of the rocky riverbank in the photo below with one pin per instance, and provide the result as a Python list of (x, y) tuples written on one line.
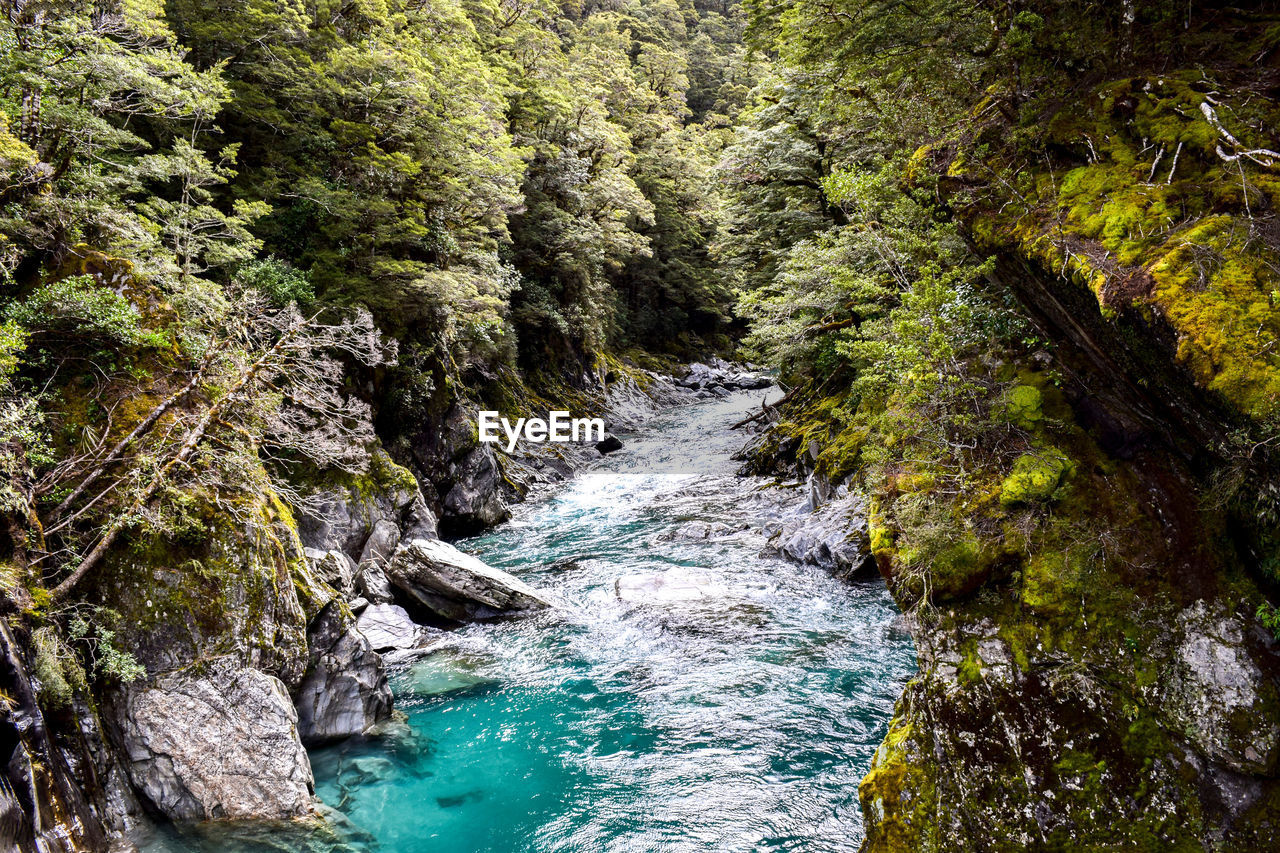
[(276, 631)]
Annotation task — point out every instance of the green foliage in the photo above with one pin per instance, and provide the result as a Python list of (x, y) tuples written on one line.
[(13, 340), (109, 661), (1269, 615), (276, 280), (79, 308)]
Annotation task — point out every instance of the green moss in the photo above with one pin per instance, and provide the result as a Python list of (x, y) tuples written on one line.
[(1181, 241), (1026, 406), (1035, 477), (970, 669), (898, 795), (1050, 582)]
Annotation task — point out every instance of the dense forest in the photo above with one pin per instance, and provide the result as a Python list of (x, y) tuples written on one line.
[(1016, 265)]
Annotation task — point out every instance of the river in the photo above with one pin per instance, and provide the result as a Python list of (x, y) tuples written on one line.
[(736, 713)]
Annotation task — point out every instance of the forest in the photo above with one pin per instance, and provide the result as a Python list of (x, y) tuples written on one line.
[(1014, 265)]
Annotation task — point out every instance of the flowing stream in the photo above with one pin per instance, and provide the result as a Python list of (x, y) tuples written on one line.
[(734, 709)]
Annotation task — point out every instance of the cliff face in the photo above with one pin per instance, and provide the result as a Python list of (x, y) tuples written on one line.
[(1079, 516), (1093, 669)]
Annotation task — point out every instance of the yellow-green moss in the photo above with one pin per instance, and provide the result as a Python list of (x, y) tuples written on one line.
[(898, 795), (1035, 477)]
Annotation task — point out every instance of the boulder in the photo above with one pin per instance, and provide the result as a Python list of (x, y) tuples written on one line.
[(382, 541), (334, 568), (388, 627), (609, 444), (345, 689), (215, 740), (371, 584), (455, 585)]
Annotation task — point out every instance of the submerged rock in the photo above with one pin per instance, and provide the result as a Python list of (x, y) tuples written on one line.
[(457, 586), (667, 587), (345, 689), (215, 740), (438, 674)]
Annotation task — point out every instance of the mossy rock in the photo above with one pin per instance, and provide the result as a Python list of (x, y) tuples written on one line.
[(1047, 580), (898, 794), (1035, 477), (1026, 406)]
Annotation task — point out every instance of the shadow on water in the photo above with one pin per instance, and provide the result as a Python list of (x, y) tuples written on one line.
[(739, 718)]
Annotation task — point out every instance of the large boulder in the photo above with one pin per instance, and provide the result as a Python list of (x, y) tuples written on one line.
[(387, 627), (334, 568), (345, 689), (455, 585), (215, 740)]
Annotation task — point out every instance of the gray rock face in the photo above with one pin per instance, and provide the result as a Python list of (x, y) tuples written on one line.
[(387, 627), (475, 501), (346, 518), (832, 537), (456, 585), (334, 568), (382, 541), (372, 584), (215, 741), (345, 689), (1218, 695)]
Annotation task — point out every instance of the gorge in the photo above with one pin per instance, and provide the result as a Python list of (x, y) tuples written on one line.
[(979, 552)]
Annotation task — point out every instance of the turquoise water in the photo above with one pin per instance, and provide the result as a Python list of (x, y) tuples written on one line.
[(740, 720)]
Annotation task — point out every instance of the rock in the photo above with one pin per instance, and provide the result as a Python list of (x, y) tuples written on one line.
[(609, 444), (344, 517), (358, 605), (720, 377), (438, 674), (832, 537), (382, 541), (455, 585), (217, 740), (388, 626), (345, 689), (334, 568), (673, 585), (372, 584), (697, 531), (1218, 695), (475, 502), (419, 522)]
